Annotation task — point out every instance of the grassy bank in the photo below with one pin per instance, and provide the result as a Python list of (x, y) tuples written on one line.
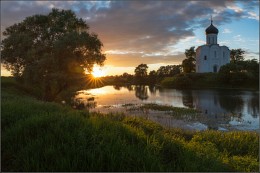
[(205, 81), (39, 136)]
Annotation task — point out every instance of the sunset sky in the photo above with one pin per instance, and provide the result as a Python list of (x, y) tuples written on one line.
[(152, 32)]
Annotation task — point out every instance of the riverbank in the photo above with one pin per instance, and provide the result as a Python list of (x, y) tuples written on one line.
[(208, 81), (238, 80), (40, 136)]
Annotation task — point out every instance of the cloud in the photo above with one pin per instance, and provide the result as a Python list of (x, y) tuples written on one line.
[(253, 15), (226, 31), (238, 38), (139, 31), (249, 54)]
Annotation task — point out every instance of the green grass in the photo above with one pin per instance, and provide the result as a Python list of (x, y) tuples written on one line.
[(175, 111), (40, 136), (171, 110)]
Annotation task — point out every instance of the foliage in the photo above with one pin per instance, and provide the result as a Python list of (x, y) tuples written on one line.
[(168, 71), (188, 64), (124, 79), (127, 77), (243, 74), (142, 77), (40, 136), (240, 72), (50, 51), (152, 77), (178, 81), (236, 55), (141, 73)]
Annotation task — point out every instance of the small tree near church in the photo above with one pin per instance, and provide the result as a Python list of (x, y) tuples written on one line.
[(188, 64)]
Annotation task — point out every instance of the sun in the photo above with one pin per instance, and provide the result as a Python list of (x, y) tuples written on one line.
[(98, 72)]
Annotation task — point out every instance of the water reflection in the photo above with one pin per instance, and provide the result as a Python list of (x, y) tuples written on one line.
[(230, 102), (187, 98), (141, 92), (152, 89), (239, 109), (253, 107), (130, 87), (83, 100), (117, 87), (79, 103)]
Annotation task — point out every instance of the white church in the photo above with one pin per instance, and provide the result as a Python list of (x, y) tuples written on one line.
[(210, 57)]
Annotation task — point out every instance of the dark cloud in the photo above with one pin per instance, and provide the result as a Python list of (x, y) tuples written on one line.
[(134, 26)]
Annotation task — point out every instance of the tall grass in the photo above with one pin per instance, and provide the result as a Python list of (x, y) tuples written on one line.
[(39, 136)]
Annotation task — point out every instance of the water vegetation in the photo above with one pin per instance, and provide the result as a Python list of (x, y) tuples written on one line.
[(174, 110), (177, 112), (44, 136)]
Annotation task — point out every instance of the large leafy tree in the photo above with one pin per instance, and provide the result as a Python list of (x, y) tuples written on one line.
[(50, 52), (188, 64)]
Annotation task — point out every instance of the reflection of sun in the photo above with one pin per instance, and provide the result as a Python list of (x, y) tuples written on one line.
[(98, 72)]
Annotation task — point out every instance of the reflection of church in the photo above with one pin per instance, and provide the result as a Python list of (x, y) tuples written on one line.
[(210, 57)]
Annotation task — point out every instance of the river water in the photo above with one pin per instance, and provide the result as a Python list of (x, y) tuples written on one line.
[(223, 109)]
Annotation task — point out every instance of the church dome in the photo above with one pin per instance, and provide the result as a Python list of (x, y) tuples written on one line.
[(211, 29)]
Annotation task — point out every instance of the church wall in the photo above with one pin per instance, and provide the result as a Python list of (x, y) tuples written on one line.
[(214, 57), (202, 64)]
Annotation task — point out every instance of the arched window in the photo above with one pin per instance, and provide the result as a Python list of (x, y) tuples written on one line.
[(205, 57), (215, 54)]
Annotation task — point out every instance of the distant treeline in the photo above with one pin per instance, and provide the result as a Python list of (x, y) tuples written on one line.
[(237, 74)]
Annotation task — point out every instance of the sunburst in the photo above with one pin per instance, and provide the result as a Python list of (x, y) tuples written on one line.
[(98, 72)]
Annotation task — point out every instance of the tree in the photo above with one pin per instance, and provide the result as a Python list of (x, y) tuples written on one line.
[(152, 77), (169, 70), (188, 64), (240, 73), (141, 73), (51, 51), (236, 55), (127, 78)]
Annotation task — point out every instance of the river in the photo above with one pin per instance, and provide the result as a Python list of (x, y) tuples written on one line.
[(221, 109)]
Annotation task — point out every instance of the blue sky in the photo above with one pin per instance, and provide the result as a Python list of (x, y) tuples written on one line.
[(152, 32)]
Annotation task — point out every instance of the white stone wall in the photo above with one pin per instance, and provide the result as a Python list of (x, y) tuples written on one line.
[(215, 56), (211, 39)]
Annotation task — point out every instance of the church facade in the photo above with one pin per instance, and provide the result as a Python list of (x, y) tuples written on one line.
[(210, 57)]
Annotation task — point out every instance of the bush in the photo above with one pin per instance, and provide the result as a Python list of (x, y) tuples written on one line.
[(178, 81)]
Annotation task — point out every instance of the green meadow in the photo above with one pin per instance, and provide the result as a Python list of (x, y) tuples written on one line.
[(44, 136)]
